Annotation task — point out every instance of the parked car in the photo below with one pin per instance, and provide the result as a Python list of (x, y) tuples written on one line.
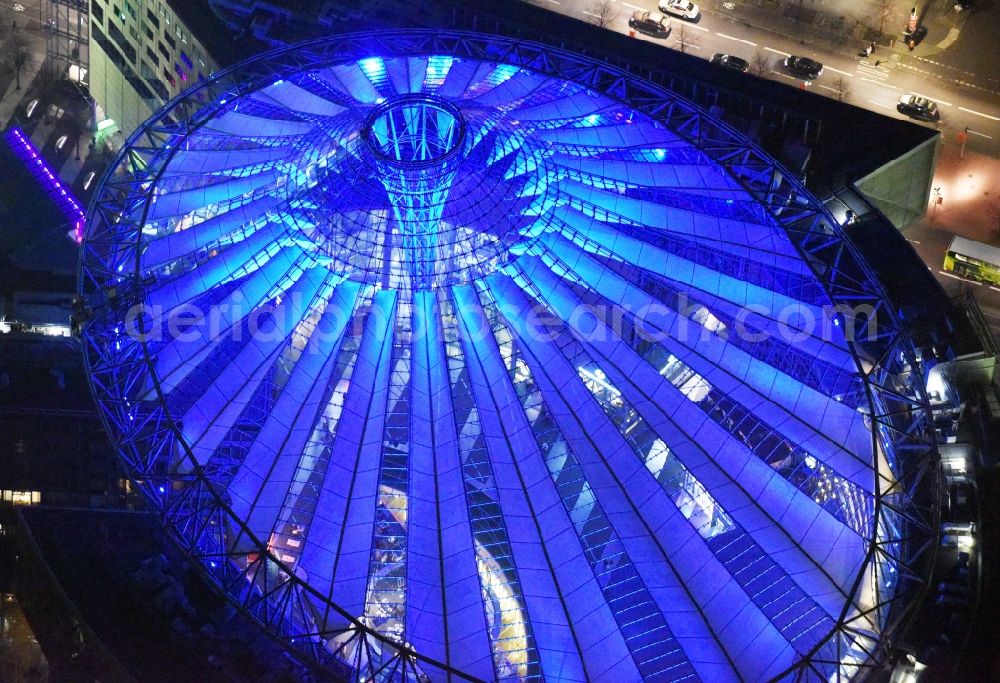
[(680, 8), (958, 534), (954, 588), (651, 23), (960, 527), (961, 498), (948, 600), (730, 62), (803, 67), (919, 108)]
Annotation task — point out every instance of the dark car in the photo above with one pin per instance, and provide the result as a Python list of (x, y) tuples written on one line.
[(919, 108), (730, 62), (803, 67), (916, 37), (651, 23)]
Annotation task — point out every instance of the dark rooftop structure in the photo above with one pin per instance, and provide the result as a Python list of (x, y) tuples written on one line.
[(34, 247), (198, 15)]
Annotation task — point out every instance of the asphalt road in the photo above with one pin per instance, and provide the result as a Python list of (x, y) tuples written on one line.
[(874, 87)]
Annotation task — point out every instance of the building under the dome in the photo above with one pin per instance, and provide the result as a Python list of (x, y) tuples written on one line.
[(448, 356)]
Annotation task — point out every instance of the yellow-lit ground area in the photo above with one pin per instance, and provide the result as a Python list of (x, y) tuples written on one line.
[(21, 658)]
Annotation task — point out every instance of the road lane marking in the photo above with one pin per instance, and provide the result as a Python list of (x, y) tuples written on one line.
[(826, 87), (791, 78), (880, 104), (554, 2), (696, 27), (779, 52), (914, 241), (738, 40), (955, 277), (879, 73), (979, 113), (995, 289), (947, 104), (884, 85), (840, 72), (975, 132), (632, 6)]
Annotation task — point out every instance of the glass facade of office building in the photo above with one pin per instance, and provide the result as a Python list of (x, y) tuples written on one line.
[(451, 357)]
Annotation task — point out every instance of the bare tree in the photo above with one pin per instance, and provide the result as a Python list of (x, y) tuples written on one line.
[(18, 55), (603, 13), (760, 64), (881, 11), (842, 88), (685, 38)]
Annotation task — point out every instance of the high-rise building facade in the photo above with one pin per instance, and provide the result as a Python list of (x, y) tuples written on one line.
[(140, 54)]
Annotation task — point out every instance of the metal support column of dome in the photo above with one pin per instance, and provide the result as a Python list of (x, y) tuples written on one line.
[(444, 354)]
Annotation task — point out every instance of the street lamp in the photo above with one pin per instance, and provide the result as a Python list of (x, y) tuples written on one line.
[(938, 200)]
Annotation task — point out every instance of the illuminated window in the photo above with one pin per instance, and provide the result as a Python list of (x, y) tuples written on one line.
[(21, 497)]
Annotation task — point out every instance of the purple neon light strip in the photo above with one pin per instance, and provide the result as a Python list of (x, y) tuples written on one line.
[(49, 180)]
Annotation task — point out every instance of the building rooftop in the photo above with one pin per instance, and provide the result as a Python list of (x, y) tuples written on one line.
[(211, 31), (458, 200), (142, 613)]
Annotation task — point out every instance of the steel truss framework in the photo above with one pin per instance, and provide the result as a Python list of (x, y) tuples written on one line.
[(197, 513)]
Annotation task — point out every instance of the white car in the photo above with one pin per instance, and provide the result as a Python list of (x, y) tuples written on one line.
[(958, 535), (680, 8)]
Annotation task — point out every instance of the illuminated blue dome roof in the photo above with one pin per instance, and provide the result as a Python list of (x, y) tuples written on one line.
[(444, 354)]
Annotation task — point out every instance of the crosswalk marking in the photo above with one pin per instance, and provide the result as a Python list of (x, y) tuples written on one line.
[(877, 73)]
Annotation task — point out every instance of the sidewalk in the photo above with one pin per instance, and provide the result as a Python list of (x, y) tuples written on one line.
[(969, 188), (808, 24), (943, 28), (12, 98)]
